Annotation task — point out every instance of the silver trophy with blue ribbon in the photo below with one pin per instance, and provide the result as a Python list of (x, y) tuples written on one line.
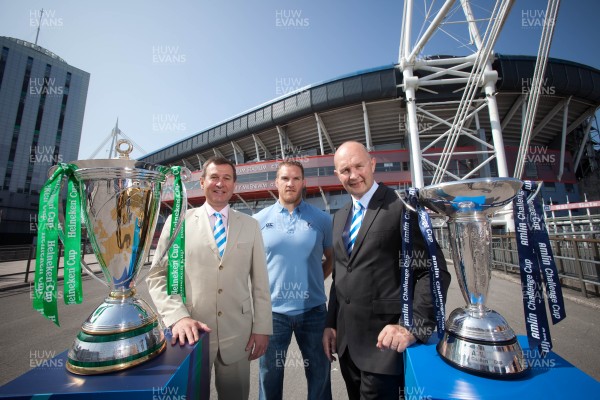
[(476, 338)]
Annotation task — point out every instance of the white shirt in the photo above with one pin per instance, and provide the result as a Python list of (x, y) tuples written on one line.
[(364, 201)]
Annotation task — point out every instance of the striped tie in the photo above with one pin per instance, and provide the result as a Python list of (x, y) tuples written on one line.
[(357, 217), (219, 231)]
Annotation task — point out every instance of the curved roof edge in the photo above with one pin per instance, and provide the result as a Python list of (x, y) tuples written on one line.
[(379, 83), (35, 47), (563, 77)]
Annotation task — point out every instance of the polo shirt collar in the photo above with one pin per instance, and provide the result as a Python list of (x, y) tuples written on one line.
[(280, 208)]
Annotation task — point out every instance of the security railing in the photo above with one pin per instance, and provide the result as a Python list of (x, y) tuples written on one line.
[(20, 260), (577, 260)]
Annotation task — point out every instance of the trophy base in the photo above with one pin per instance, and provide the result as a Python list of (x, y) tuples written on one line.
[(481, 342), (121, 333)]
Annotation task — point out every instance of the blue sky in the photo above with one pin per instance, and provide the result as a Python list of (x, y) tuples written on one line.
[(168, 70)]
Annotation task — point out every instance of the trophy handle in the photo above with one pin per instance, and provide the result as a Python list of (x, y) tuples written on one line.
[(534, 194), (186, 174), (411, 208), (61, 236), (91, 273)]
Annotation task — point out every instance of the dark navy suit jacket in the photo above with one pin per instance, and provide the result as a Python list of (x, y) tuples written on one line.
[(365, 294)]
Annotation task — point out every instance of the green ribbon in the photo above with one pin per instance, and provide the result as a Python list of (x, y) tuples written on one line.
[(46, 271), (176, 272), (73, 293)]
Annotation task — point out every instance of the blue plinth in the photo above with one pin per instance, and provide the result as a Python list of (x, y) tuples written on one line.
[(429, 377), (180, 372)]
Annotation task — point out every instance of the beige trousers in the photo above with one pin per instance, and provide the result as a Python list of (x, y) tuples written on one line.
[(231, 380)]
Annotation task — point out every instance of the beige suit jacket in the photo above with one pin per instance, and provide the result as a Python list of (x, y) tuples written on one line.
[(230, 294)]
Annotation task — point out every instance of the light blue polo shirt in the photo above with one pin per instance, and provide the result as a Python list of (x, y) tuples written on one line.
[(294, 245)]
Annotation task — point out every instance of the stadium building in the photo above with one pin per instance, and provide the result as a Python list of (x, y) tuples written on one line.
[(372, 107)]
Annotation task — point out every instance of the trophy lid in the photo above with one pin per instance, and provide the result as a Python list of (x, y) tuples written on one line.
[(99, 168), (485, 195)]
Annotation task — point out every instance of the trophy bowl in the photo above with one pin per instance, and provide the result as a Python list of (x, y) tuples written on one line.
[(476, 339), (120, 202)]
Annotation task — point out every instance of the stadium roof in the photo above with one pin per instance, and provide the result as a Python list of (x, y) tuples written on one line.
[(322, 116)]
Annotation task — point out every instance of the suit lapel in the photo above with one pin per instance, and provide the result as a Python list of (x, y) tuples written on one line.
[(233, 231), (339, 230), (372, 211), (205, 229)]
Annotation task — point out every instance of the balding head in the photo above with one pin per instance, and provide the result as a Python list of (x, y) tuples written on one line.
[(354, 167)]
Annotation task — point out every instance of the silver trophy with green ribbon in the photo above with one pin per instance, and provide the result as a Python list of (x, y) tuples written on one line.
[(119, 202)]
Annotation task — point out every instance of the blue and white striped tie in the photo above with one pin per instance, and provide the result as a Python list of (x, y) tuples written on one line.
[(219, 232), (357, 217)]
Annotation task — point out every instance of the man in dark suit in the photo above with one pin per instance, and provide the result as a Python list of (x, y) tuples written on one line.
[(363, 321)]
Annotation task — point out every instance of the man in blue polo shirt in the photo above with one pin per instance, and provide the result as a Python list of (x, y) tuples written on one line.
[(296, 236)]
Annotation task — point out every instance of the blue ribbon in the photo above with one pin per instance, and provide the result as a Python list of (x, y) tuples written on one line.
[(545, 254), (536, 260), (435, 280), (406, 266)]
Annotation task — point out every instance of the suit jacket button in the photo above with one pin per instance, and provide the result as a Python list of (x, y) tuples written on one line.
[(347, 300), (220, 267), (349, 269), (219, 313), (220, 291)]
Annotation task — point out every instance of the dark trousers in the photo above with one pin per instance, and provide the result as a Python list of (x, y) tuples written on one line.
[(363, 385)]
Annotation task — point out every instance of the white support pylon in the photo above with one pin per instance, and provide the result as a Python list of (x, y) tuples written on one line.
[(426, 73)]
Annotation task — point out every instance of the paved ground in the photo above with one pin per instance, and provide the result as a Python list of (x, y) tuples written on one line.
[(27, 335)]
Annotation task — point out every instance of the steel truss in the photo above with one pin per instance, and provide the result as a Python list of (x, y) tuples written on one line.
[(477, 82)]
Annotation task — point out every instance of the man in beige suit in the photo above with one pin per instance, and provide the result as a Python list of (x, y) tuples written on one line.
[(219, 298)]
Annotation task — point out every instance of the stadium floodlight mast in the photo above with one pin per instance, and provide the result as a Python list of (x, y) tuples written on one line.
[(475, 72), (113, 136)]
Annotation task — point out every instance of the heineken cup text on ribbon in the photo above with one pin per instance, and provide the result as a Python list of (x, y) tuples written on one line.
[(119, 201), (46, 272)]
